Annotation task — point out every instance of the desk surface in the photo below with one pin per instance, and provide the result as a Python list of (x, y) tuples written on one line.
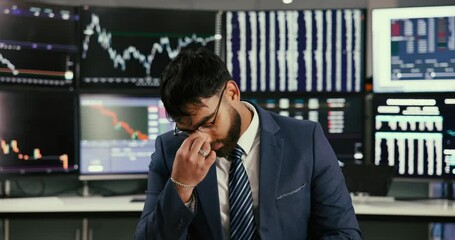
[(70, 204), (422, 208)]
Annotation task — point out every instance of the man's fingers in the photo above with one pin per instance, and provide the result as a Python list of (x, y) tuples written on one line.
[(203, 153), (210, 159), (205, 149), (188, 142), (197, 147)]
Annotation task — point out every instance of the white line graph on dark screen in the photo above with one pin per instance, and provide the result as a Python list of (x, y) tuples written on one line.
[(9, 65), (120, 58)]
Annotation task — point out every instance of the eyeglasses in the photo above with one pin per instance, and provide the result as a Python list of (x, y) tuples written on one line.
[(203, 127)]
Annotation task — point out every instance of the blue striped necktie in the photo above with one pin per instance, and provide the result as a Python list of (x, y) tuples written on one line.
[(240, 199)]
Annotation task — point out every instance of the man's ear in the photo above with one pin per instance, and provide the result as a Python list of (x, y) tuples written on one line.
[(232, 91)]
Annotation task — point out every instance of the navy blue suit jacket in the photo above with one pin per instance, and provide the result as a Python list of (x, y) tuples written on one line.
[(302, 192)]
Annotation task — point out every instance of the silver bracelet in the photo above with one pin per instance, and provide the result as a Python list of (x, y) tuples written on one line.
[(181, 184)]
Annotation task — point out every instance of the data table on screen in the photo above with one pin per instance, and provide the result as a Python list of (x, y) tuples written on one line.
[(296, 51)]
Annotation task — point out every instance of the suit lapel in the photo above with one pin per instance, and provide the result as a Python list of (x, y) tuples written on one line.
[(207, 192), (270, 159)]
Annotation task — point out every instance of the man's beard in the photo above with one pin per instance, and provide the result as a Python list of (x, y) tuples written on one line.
[(233, 135)]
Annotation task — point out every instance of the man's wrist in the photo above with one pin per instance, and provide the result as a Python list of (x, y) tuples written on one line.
[(183, 192), (191, 204), (181, 184)]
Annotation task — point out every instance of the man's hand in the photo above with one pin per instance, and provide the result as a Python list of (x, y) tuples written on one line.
[(190, 166)]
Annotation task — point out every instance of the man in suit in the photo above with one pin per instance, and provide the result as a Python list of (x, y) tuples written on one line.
[(294, 187)]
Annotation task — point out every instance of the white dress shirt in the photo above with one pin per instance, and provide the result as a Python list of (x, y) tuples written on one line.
[(249, 141)]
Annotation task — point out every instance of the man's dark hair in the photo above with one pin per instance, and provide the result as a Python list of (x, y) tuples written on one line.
[(191, 76)]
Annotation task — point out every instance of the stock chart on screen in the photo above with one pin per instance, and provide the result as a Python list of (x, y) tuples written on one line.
[(38, 44), (133, 52), (118, 132), (37, 133)]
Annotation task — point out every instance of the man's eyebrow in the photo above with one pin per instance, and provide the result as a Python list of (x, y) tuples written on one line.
[(200, 123), (204, 120)]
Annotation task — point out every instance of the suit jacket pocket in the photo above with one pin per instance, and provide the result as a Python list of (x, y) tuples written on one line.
[(291, 195)]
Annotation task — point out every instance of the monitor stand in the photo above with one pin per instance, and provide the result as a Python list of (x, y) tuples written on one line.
[(138, 199), (5, 188), (448, 190), (85, 189)]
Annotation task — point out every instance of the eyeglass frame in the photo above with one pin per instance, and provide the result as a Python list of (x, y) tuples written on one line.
[(205, 125)]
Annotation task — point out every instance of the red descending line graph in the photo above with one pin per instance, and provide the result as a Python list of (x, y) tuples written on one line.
[(13, 148), (134, 134)]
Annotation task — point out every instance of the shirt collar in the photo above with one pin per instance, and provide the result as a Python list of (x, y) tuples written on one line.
[(246, 140)]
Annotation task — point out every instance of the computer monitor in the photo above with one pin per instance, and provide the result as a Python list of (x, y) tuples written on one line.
[(296, 50), (414, 49), (368, 178), (341, 117), (37, 133), (129, 47), (38, 44), (117, 134), (415, 133)]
